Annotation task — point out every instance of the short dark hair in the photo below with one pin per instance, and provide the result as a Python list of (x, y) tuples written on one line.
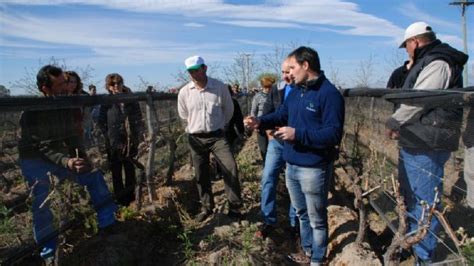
[(427, 37), (309, 55), (43, 78)]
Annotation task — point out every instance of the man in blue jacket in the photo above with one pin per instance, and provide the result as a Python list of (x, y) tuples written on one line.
[(311, 120)]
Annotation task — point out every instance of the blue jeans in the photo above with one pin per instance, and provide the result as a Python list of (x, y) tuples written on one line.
[(419, 172), (308, 188), (35, 172), (273, 166)]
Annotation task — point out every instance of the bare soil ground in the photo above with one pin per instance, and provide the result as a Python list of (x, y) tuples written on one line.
[(165, 233)]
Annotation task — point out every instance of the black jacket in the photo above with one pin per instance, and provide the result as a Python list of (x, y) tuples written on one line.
[(398, 77), (236, 123), (50, 135), (434, 128), (122, 126)]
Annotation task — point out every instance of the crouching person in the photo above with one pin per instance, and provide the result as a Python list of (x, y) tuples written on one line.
[(51, 144)]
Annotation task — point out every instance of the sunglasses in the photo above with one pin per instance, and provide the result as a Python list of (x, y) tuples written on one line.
[(113, 83)]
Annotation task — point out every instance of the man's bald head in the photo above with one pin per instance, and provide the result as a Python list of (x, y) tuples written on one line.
[(285, 71)]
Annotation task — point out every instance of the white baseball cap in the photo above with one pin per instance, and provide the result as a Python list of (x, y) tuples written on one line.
[(194, 62), (415, 29)]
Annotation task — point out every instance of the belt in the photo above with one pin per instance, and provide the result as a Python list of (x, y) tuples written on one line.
[(215, 133)]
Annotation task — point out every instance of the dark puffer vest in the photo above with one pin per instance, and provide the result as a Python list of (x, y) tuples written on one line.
[(434, 128)]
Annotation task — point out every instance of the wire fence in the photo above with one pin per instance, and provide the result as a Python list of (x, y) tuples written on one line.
[(366, 113)]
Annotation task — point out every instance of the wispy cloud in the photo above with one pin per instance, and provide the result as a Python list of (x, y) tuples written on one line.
[(259, 24), (68, 32), (256, 43), (109, 38), (412, 11), (194, 25), (276, 13)]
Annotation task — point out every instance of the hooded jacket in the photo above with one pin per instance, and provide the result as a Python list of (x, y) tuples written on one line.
[(433, 128)]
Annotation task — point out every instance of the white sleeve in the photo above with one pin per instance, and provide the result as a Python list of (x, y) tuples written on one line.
[(182, 108), (434, 76)]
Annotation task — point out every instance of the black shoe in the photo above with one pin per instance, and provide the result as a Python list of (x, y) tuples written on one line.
[(264, 231), (202, 215), (113, 229), (235, 215), (295, 232)]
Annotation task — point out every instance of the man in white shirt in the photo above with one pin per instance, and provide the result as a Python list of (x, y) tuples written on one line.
[(206, 106)]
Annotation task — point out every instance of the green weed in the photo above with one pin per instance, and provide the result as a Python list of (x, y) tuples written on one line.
[(6, 224), (468, 253), (188, 244), (127, 213)]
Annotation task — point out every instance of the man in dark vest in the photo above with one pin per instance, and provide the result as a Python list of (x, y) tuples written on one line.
[(427, 135)]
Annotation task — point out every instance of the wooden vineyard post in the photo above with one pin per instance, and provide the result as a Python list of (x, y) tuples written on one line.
[(150, 119)]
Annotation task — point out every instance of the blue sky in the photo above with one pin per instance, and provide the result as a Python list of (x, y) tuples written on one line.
[(146, 40)]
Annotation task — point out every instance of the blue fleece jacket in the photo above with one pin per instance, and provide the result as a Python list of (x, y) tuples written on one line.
[(316, 111)]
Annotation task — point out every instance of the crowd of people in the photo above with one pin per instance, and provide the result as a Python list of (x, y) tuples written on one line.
[(299, 126)]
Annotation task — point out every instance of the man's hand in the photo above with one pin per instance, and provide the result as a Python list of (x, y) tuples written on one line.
[(285, 133), (251, 122), (79, 165), (392, 134)]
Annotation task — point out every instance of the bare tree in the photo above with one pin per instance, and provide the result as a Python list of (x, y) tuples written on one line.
[(243, 69), (144, 84), (182, 76), (364, 74), (27, 83), (334, 74), (272, 61)]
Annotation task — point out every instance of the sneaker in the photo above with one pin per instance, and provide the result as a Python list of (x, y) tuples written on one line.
[(202, 215), (299, 258), (420, 262), (233, 214), (264, 231)]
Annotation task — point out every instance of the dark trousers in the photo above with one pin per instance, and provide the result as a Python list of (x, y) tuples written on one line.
[(201, 147), (262, 141), (124, 193)]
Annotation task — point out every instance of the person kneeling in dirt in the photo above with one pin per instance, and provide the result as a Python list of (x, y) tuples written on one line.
[(206, 107), (51, 145), (123, 128)]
